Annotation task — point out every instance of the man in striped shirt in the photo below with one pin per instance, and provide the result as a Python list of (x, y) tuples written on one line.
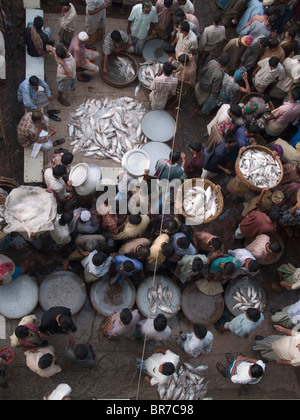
[(162, 87)]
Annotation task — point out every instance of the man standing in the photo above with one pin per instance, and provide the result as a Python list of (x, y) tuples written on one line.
[(186, 41), (141, 22), (67, 22), (163, 87), (95, 19), (211, 37), (267, 72), (66, 73)]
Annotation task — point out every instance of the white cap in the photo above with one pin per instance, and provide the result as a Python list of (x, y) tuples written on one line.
[(83, 36), (85, 216)]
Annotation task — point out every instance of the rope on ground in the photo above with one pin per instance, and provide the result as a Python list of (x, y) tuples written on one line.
[(161, 226)]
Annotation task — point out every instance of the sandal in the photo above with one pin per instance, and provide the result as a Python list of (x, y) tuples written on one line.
[(221, 369), (229, 358), (58, 142)]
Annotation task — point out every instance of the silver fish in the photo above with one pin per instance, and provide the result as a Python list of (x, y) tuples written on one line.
[(164, 308)]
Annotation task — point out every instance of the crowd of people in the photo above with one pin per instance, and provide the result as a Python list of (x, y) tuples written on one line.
[(258, 41)]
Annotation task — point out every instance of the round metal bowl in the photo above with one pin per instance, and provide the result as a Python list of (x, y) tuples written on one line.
[(86, 178), (19, 297), (156, 151), (233, 286), (62, 288), (158, 125), (107, 298), (113, 79), (135, 162), (142, 301), (153, 50), (199, 308)]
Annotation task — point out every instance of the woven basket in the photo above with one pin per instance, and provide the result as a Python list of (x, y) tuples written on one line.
[(245, 181), (275, 237), (116, 84), (251, 95), (8, 183), (220, 200)]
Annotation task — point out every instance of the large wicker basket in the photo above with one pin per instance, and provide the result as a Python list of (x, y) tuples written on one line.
[(220, 200), (118, 84), (245, 181), (246, 98)]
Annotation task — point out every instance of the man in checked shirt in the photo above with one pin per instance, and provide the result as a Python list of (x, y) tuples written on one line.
[(162, 87)]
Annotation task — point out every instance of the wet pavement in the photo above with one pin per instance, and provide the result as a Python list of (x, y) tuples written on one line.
[(115, 375)]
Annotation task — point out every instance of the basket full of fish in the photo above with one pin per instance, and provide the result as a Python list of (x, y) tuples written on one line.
[(257, 168), (244, 293), (122, 70), (188, 383), (147, 72), (107, 128), (202, 200)]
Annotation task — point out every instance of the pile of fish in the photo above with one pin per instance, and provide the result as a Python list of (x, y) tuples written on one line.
[(200, 202), (160, 297), (107, 128), (120, 70), (248, 297), (148, 71), (259, 168), (186, 384)]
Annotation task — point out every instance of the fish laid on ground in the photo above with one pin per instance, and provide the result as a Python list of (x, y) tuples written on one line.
[(259, 168), (185, 384), (107, 128), (248, 297)]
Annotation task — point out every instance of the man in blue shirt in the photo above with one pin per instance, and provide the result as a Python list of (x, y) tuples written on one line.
[(216, 161), (31, 97), (125, 267)]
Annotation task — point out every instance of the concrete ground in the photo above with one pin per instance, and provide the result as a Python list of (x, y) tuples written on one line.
[(115, 375)]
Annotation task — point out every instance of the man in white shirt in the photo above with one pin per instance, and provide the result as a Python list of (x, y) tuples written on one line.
[(61, 233), (67, 22), (186, 41), (187, 6), (248, 263), (198, 342), (159, 366), (54, 181), (211, 37), (155, 329), (268, 71), (242, 370)]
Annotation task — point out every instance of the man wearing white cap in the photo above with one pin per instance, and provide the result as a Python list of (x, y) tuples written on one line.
[(85, 58)]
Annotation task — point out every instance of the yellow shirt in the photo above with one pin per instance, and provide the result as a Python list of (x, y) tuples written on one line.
[(156, 255), (131, 231)]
